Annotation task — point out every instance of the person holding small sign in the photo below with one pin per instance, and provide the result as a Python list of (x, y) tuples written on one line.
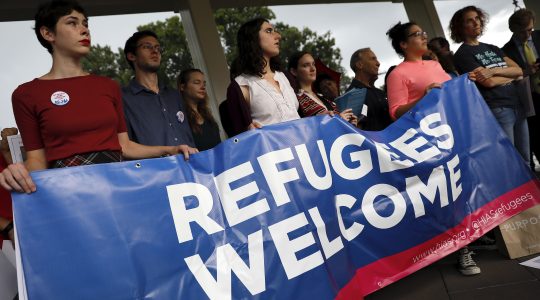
[(365, 66)]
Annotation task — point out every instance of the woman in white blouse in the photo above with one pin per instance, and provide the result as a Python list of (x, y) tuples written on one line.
[(267, 91)]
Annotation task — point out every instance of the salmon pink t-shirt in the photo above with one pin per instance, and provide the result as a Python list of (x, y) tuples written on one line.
[(409, 80)]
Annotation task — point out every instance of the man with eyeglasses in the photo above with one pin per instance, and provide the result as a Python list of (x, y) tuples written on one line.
[(154, 112), (524, 49)]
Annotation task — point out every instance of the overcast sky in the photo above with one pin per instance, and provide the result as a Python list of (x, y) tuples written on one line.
[(353, 26)]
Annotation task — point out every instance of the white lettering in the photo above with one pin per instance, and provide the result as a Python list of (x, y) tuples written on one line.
[(344, 200), (411, 148), (391, 194), (287, 248), (416, 188), (320, 183), (438, 131), (275, 178), (230, 198), (389, 161), (183, 216), (363, 157), (329, 247), (227, 261), (454, 177)]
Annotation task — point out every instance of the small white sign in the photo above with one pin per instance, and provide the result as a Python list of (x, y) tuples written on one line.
[(16, 148), (533, 263), (364, 110)]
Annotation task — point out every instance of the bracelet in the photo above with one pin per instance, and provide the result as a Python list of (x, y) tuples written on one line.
[(6, 230)]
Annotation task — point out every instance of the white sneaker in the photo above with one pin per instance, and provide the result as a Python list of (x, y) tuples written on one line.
[(466, 264)]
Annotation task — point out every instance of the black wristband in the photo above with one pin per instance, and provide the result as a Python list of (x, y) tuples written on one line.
[(6, 230)]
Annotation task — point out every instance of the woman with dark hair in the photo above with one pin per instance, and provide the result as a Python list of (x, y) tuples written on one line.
[(264, 90), (302, 67), (68, 117), (493, 73), (192, 85), (414, 77)]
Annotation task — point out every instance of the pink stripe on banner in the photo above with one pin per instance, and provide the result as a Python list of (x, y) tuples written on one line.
[(392, 268)]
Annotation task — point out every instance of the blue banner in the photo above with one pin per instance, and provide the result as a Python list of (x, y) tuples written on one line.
[(309, 209)]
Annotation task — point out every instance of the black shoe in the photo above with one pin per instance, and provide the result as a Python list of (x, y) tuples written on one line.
[(483, 243)]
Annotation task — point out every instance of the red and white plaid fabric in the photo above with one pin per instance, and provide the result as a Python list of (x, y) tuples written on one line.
[(91, 158)]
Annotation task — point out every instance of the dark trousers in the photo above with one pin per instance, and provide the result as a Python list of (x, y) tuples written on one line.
[(534, 130)]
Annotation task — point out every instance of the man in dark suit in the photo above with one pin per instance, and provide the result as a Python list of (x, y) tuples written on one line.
[(524, 49)]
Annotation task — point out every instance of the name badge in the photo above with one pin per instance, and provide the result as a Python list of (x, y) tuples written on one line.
[(60, 98), (180, 116)]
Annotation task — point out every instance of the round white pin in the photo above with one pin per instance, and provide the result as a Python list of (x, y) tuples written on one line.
[(60, 98), (180, 116)]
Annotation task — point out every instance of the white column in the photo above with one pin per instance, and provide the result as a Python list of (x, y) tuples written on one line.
[(423, 12), (206, 51)]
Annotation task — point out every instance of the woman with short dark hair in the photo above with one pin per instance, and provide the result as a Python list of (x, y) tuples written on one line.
[(414, 77), (68, 117)]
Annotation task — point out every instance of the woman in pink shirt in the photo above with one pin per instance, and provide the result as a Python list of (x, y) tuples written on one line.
[(413, 78)]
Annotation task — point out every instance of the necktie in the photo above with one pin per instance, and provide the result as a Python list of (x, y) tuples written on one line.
[(531, 59)]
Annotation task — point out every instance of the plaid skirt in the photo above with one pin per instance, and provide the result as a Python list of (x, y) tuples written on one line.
[(91, 158)]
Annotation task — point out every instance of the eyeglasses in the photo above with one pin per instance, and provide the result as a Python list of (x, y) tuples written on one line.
[(150, 47), (418, 33)]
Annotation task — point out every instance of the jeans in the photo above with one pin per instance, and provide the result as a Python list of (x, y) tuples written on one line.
[(534, 129), (516, 129)]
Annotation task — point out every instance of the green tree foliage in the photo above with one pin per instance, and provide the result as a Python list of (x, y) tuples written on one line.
[(176, 57), (229, 20), (103, 61), (320, 46)]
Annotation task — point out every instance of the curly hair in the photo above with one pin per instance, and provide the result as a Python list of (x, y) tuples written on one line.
[(520, 19), (48, 15), (457, 25), (399, 33), (202, 106), (250, 58)]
